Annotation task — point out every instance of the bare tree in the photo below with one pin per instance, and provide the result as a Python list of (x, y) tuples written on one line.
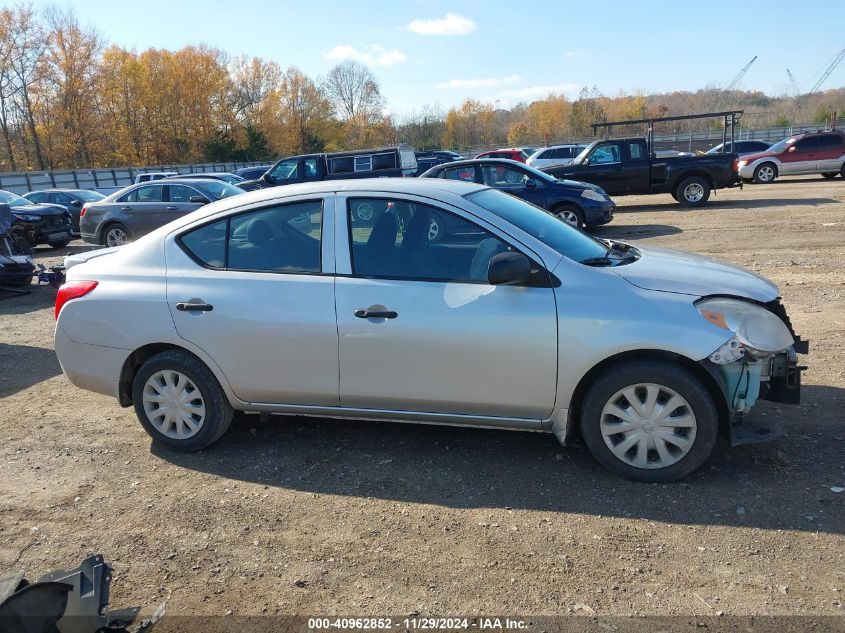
[(354, 91), (28, 42), (7, 84)]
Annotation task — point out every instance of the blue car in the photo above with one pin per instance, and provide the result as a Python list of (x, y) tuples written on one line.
[(580, 204)]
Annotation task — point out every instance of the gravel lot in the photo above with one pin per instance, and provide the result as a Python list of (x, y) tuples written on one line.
[(314, 517)]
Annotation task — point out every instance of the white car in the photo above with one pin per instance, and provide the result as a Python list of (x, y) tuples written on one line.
[(281, 300), (555, 155)]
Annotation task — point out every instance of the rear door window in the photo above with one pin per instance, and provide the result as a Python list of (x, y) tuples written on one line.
[(150, 193), (462, 172)]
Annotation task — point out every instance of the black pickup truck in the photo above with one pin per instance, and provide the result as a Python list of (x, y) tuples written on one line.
[(626, 167)]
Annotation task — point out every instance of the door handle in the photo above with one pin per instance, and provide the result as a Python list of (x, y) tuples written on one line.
[(170, 208), (194, 307), (375, 314), (125, 208)]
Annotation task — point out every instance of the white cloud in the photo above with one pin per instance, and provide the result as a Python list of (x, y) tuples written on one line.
[(577, 54), (452, 24), (491, 82), (538, 92), (372, 55)]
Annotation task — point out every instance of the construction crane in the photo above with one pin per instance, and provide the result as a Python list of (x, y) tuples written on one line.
[(741, 74), (794, 82), (839, 57)]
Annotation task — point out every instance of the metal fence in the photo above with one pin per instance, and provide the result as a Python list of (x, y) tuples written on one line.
[(105, 180)]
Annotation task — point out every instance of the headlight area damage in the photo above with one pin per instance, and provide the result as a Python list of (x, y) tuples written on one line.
[(757, 361)]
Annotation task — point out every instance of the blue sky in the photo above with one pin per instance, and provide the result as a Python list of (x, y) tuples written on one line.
[(431, 52)]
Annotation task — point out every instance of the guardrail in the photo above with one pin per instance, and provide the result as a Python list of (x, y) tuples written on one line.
[(105, 180)]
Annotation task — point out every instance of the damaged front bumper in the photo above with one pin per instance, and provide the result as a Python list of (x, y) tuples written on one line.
[(747, 375)]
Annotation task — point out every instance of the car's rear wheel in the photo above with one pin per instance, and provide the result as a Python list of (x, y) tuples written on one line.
[(765, 173), (842, 171), (179, 401), (830, 174), (116, 234), (60, 244), (570, 214), (693, 191), (649, 421)]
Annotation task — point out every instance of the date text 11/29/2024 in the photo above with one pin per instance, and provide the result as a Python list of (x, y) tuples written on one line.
[(417, 623)]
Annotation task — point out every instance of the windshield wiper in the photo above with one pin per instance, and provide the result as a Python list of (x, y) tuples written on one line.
[(602, 260)]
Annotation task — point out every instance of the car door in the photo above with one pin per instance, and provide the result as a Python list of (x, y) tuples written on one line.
[(831, 153), (421, 330), (143, 209), (605, 168), (513, 180), (259, 290), (636, 175), (179, 200), (801, 157)]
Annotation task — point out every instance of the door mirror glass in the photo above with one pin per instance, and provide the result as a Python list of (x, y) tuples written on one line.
[(508, 268), (198, 199), (791, 149)]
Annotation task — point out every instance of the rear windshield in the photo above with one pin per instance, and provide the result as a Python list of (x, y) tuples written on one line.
[(550, 230)]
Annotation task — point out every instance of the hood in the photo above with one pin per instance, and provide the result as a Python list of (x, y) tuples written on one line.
[(752, 156), (39, 209), (686, 273)]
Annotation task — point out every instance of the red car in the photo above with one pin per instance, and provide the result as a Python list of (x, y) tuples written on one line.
[(511, 154), (811, 153)]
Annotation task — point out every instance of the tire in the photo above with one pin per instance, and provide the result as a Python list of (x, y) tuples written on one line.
[(842, 171), (61, 244), (164, 376), (830, 174), (665, 380), (570, 214), (765, 173), (112, 233), (693, 191)]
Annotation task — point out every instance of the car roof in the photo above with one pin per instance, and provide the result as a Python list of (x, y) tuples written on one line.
[(479, 161)]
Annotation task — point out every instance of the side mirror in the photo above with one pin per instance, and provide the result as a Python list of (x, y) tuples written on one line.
[(198, 199), (75, 203), (508, 268), (791, 148), (267, 177), (531, 183), (586, 161)]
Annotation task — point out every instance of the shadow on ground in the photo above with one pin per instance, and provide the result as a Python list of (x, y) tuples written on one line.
[(22, 367), (783, 485), (668, 204)]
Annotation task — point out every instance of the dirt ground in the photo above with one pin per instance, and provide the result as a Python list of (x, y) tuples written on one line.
[(317, 517)]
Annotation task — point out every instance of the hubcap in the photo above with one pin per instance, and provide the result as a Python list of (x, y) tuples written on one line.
[(570, 217), (173, 404), (116, 237), (766, 173), (693, 192), (648, 426)]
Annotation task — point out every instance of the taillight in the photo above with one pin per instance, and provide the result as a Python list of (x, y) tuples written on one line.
[(72, 290), (82, 213), (735, 166)]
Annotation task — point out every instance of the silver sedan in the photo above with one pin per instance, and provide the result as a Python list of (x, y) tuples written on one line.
[(282, 300)]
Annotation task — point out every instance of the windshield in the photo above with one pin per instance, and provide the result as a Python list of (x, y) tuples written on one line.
[(550, 230), (218, 189), (7, 197), (539, 175), (89, 196), (580, 158), (779, 147)]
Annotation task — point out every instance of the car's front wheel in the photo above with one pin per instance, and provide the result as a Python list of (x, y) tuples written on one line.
[(650, 421), (571, 215), (830, 174), (116, 234), (60, 244), (179, 401), (765, 173)]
